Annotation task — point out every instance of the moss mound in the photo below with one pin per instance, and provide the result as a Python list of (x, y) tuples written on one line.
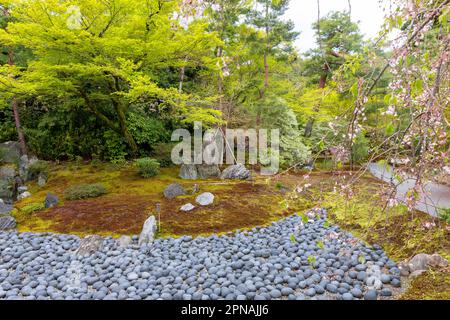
[(84, 191)]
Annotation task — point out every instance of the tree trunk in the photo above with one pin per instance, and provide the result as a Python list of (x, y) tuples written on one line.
[(266, 71), (323, 76), (22, 143), (220, 80), (125, 132), (322, 83), (122, 129), (309, 127), (180, 86), (182, 74), (266, 52)]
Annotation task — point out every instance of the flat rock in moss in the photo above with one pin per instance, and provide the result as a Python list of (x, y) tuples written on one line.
[(205, 199), (174, 190), (7, 222), (187, 207)]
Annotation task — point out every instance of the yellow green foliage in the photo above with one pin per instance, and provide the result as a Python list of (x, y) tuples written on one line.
[(32, 207)]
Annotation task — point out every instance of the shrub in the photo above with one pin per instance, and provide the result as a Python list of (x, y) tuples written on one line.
[(444, 214), (84, 191), (276, 114), (38, 168), (163, 153), (147, 167), (96, 163), (360, 149)]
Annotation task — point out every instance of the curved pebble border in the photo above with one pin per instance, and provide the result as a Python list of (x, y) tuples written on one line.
[(286, 260)]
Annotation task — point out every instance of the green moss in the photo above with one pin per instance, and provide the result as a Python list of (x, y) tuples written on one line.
[(32, 207), (430, 285)]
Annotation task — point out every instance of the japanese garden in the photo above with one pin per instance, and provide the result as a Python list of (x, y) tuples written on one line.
[(207, 150)]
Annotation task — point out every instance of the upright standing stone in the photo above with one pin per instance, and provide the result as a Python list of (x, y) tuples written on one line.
[(147, 235), (23, 167), (42, 180), (51, 200), (10, 152)]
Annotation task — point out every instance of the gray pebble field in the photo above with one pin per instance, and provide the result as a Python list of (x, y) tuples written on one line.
[(290, 259)]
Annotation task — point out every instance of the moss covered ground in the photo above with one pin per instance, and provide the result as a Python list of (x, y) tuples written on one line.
[(131, 199)]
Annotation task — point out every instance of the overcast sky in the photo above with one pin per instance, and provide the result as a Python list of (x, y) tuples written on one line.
[(369, 13)]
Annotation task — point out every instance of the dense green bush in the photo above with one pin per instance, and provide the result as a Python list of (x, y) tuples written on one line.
[(84, 191), (38, 168), (7, 126), (70, 131), (360, 148), (444, 214), (147, 167), (276, 114), (162, 152), (146, 130)]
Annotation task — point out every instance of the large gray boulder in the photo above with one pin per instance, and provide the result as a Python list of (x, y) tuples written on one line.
[(199, 171), (206, 171), (147, 235), (423, 261), (5, 208), (7, 222), (24, 164), (418, 262), (188, 172), (237, 171), (174, 190), (89, 245), (9, 152), (8, 183)]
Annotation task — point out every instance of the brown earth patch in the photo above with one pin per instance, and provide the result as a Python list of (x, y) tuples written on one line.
[(118, 214)]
